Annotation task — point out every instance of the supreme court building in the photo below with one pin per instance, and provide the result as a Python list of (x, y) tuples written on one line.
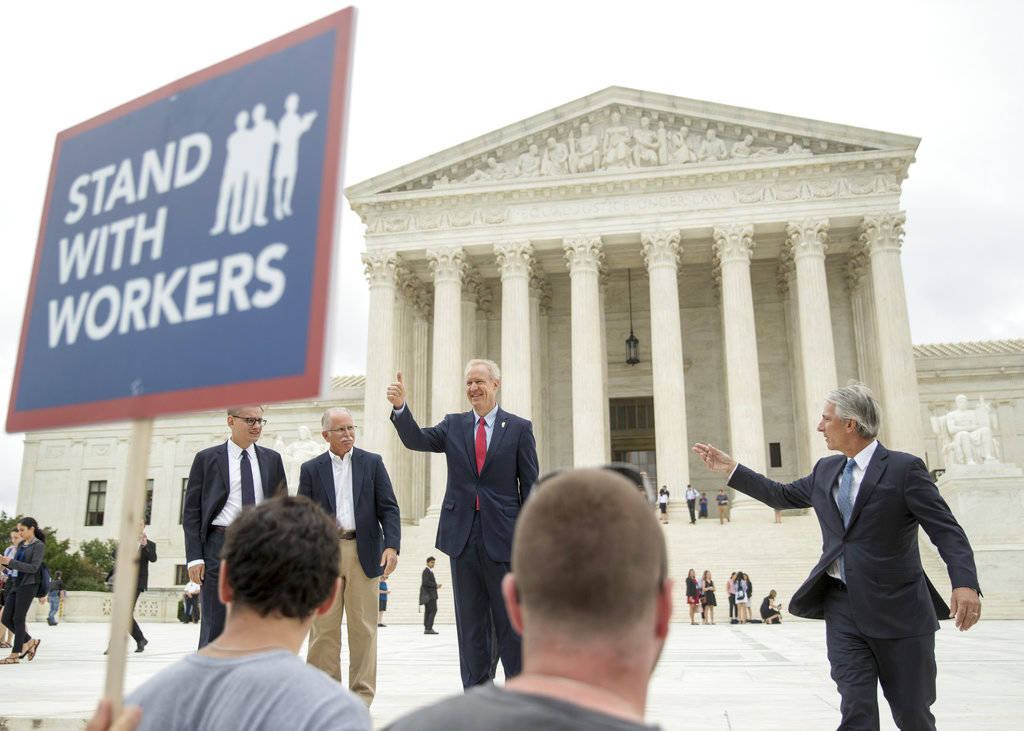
[(755, 258)]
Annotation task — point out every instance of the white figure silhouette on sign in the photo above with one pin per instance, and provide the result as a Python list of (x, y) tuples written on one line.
[(291, 127), (245, 183)]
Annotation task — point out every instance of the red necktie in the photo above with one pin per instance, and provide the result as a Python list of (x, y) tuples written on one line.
[(481, 451)]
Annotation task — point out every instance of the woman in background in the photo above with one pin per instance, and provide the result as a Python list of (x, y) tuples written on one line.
[(692, 594), (27, 561), (6, 582), (708, 598)]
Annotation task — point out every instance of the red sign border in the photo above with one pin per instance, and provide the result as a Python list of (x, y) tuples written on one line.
[(270, 390)]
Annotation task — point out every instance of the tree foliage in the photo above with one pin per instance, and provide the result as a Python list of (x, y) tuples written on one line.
[(82, 570)]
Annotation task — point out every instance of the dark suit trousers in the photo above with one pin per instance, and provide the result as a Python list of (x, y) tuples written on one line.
[(905, 668), (429, 612), (477, 582), (136, 630), (692, 505), (213, 614)]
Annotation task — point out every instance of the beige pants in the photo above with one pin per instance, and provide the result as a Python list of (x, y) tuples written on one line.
[(359, 596)]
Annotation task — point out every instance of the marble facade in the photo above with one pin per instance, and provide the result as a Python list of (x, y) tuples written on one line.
[(764, 257), (762, 253)]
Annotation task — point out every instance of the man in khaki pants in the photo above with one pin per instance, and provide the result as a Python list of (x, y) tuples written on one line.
[(353, 487)]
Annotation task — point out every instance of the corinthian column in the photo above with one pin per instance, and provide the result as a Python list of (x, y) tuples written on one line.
[(661, 255), (448, 264), (583, 256), (377, 431), (734, 244), (515, 260), (882, 236), (808, 240)]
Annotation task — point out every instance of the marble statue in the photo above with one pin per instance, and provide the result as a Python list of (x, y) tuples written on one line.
[(494, 171), (304, 448), (798, 150), (584, 151), (682, 153), (663, 158), (965, 434), (556, 158), (528, 165), (645, 149), (615, 148), (712, 148)]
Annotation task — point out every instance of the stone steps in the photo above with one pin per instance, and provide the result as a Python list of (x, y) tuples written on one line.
[(775, 556)]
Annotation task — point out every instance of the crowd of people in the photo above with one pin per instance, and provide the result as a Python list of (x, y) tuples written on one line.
[(577, 621), (701, 599)]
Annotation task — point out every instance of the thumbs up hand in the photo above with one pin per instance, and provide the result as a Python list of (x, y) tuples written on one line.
[(396, 392)]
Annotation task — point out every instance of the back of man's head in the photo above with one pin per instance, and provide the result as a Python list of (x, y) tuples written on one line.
[(588, 556), (282, 558)]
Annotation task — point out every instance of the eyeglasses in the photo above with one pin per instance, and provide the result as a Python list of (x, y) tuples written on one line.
[(251, 421), (346, 429)]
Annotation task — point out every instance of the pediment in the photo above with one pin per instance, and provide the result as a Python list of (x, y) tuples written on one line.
[(620, 131)]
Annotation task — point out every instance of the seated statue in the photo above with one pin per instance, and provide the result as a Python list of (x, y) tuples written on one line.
[(556, 158), (713, 148), (645, 149), (529, 163), (584, 152), (966, 433)]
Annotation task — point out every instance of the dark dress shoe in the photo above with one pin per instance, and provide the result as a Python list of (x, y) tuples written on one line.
[(141, 645), (429, 632)]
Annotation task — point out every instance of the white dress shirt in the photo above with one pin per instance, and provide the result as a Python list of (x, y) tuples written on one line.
[(233, 507), (489, 420), (861, 461), (343, 498)]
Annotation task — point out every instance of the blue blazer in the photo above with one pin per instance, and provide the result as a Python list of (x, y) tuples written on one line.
[(890, 595), (504, 483), (207, 491), (378, 524)]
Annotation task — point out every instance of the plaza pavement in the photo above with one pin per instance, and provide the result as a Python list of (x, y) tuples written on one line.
[(709, 677)]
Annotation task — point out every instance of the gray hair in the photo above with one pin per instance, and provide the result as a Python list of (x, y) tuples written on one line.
[(856, 402), (325, 420), (233, 411), (492, 367)]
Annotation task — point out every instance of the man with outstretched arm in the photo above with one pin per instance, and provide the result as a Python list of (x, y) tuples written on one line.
[(879, 607)]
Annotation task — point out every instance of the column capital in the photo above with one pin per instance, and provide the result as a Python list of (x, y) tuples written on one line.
[(883, 231), (583, 253), (472, 284), (447, 263), (380, 269), (786, 270), (661, 248), (733, 242), (807, 237), (515, 258)]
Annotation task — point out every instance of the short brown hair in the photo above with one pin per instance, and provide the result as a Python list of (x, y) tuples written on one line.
[(588, 552), (282, 557)]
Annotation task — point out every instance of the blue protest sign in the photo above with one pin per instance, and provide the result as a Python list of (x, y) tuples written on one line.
[(184, 253)]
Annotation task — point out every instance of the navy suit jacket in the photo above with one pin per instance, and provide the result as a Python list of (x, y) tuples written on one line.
[(890, 595), (378, 524), (208, 486), (504, 483)]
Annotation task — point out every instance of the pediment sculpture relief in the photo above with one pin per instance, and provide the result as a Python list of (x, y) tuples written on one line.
[(620, 147)]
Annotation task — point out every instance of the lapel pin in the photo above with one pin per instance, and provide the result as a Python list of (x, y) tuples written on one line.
[(503, 425)]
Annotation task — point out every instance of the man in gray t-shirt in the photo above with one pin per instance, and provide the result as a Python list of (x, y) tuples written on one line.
[(279, 569), (590, 595), (271, 690)]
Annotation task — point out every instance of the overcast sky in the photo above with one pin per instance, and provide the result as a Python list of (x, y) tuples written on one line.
[(431, 75)]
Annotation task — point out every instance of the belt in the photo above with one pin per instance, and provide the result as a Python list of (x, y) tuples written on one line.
[(346, 535), (834, 583), (218, 529)]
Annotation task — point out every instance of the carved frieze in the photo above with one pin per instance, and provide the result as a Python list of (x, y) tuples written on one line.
[(621, 138)]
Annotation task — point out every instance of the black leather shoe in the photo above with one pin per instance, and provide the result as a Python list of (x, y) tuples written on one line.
[(141, 645), (429, 632)]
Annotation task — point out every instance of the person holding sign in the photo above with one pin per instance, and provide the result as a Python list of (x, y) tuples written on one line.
[(492, 465), (223, 481)]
